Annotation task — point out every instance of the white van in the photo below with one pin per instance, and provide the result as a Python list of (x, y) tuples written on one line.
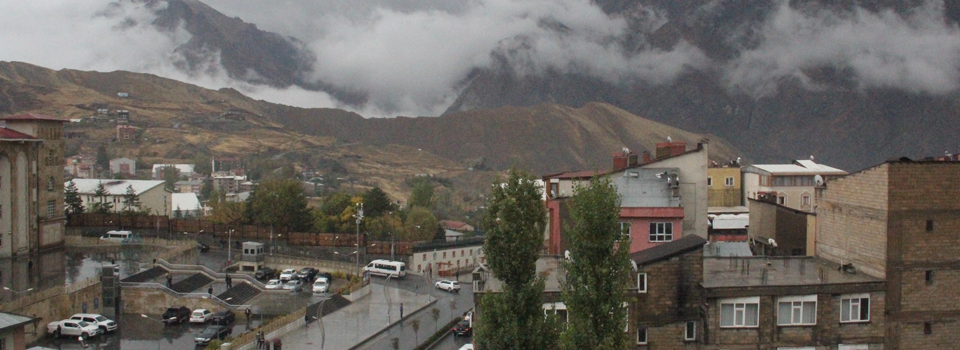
[(115, 236), (387, 268)]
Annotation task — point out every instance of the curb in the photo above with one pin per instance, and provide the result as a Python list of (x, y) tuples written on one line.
[(384, 330)]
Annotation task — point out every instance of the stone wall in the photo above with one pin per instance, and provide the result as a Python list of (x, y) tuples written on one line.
[(54, 304), (852, 218), (280, 262)]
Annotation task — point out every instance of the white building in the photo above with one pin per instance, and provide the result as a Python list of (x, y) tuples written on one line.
[(153, 197), (793, 185), (125, 166), (185, 205), (185, 170)]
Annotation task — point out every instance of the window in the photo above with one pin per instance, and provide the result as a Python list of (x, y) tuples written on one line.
[(740, 312), (51, 209), (625, 229), (559, 309), (805, 200), (782, 199), (691, 331), (929, 277), (641, 335), (641, 283), (454, 253), (855, 308), (661, 231), (51, 184), (444, 255), (927, 328), (796, 311), (709, 181), (554, 189), (728, 181), (929, 225)]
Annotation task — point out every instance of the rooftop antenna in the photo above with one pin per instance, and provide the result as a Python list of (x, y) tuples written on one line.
[(811, 157), (669, 139)]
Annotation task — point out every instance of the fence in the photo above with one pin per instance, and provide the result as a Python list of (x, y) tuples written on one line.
[(273, 329)]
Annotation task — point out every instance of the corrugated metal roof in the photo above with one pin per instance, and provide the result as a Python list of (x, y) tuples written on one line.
[(800, 167), (11, 320), (114, 187)]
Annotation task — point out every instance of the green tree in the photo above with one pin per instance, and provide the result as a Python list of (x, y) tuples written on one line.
[(598, 272), (131, 201), (72, 198), (416, 331), (435, 314), (102, 206), (103, 158), (206, 191), (515, 221), (224, 212), (279, 203), (420, 225), (170, 176), (376, 203), (422, 194)]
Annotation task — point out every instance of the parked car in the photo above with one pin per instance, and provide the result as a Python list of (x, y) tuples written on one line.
[(200, 316), (177, 314), (321, 285), (294, 285), (73, 328), (105, 324), (223, 318), (274, 284), (466, 347), (307, 273), (463, 328), (450, 286), (116, 236), (203, 247), (211, 333), (287, 274), (326, 275), (265, 273)]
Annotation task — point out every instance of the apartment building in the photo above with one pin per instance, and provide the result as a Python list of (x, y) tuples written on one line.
[(792, 185)]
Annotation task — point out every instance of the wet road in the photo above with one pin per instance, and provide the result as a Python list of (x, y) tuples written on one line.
[(138, 333)]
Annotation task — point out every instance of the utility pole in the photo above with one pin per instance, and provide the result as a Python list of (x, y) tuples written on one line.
[(359, 217)]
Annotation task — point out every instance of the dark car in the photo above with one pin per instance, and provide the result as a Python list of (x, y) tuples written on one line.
[(307, 273), (211, 333), (223, 318), (265, 273), (176, 314), (463, 328), (326, 275), (203, 247)]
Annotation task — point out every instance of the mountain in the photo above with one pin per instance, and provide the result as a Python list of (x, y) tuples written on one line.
[(841, 121), (182, 121)]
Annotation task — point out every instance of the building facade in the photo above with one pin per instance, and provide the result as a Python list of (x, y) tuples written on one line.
[(31, 179), (792, 185), (153, 197), (123, 166), (724, 186)]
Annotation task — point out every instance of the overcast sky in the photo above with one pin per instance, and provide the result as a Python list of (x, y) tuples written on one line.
[(412, 57)]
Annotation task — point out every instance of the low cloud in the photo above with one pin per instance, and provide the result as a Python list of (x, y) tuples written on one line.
[(917, 52)]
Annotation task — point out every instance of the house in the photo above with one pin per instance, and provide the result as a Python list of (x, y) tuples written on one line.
[(729, 227), (898, 221), (185, 205), (447, 257), (124, 166), (663, 198), (126, 132), (229, 183), (776, 229), (193, 186), (186, 170), (456, 226), (153, 197), (724, 185), (12, 330), (791, 185), (80, 166), (31, 177)]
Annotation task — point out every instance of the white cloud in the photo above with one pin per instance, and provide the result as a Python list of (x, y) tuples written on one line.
[(918, 52)]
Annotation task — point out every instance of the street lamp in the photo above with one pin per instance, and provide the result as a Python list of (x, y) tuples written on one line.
[(151, 319), (359, 217), (229, 245), (19, 302)]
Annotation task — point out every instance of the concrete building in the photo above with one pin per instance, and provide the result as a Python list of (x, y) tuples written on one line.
[(186, 170), (899, 221), (792, 185), (126, 132), (124, 166), (154, 198), (228, 183), (729, 227), (444, 258), (81, 166), (31, 179), (13, 329), (185, 205), (188, 186), (780, 230), (724, 185)]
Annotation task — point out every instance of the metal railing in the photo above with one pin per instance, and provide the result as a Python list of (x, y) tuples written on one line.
[(171, 292)]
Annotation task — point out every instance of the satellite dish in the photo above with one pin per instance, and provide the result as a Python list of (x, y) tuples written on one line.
[(818, 180), (566, 255), (633, 265), (669, 139)]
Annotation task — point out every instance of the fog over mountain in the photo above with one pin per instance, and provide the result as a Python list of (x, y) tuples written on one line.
[(406, 57)]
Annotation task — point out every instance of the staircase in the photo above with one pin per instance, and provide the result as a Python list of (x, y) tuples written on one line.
[(336, 302), (191, 283), (239, 294), (146, 275)]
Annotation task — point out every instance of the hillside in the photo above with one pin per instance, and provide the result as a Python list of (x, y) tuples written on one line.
[(181, 121)]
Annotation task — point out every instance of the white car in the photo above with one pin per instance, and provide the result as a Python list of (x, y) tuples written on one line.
[(467, 347), (273, 284), (200, 316), (105, 324), (321, 285), (293, 285), (450, 286), (72, 328), (287, 274)]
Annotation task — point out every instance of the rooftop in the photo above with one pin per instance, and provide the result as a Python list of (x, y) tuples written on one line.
[(667, 250), (11, 320), (33, 117), (727, 249), (13, 135), (114, 187), (185, 201), (723, 272), (731, 221), (799, 167)]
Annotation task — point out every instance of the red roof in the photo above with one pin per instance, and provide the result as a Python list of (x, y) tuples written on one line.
[(33, 117), (452, 224), (585, 174), (10, 134)]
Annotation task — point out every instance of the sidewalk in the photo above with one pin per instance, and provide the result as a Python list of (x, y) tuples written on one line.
[(358, 321)]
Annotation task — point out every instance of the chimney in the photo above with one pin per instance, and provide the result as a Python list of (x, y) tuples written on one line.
[(621, 159), (646, 157), (632, 160)]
